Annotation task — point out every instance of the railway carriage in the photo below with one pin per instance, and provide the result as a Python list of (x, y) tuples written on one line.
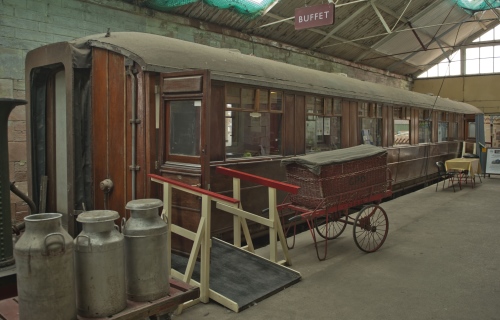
[(106, 110)]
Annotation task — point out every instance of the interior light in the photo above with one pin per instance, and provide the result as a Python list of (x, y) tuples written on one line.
[(255, 114)]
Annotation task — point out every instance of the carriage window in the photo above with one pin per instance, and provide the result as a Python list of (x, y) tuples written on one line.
[(401, 126), (370, 120), (253, 131), (185, 127), (323, 131), (424, 126)]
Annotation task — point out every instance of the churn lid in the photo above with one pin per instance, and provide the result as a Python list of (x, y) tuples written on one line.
[(97, 216), (144, 204)]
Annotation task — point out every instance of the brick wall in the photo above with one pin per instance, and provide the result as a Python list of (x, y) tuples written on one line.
[(28, 24)]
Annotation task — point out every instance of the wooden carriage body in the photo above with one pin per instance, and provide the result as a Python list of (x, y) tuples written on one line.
[(121, 106)]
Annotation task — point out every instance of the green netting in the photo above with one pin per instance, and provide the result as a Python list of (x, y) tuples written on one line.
[(472, 6), (247, 7)]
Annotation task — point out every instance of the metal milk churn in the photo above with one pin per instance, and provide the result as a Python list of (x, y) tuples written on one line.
[(100, 265), (146, 251), (45, 275)]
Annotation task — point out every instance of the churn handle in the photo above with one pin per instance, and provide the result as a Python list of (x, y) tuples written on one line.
[(84, 236), (53, 234), (122, 227), (164, 216)]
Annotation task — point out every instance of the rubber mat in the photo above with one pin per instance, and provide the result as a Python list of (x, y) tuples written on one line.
[(241, 276)]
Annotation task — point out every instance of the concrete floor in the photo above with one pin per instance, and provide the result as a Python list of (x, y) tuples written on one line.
[(441, 260)]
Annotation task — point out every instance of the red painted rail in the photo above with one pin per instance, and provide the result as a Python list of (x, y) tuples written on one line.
[(195, 189), (290, 188)]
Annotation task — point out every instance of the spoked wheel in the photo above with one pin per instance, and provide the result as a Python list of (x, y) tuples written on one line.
[(370, 228), (333, 228)]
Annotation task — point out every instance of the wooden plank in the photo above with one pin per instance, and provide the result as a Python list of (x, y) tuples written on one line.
[(179, 293), (99, 122), (116, 131), (183, 84), (140, 131), (245, 214)]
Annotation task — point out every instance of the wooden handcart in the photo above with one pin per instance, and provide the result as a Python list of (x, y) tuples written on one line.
[(332, 184)]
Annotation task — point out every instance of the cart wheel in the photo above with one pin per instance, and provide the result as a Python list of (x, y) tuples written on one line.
[(334, 228), (370, 228)]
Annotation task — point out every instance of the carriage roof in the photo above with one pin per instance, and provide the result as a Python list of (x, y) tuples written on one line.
[(163, 54)]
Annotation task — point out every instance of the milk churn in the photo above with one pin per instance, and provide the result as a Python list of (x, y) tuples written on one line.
[(146, 251), (45, 275), (100, 265)]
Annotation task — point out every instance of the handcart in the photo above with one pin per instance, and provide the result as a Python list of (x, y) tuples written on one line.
[(333, 184)]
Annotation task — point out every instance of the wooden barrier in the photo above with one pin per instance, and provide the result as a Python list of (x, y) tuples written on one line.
[(202, 239)]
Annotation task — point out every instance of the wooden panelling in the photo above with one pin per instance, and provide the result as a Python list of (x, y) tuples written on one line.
[(289, 123), (152, 189), (345, 123), (353, 124), (190, 84), (217, 149), (300, 125), (116, 131), (100, 122), (141, 172)]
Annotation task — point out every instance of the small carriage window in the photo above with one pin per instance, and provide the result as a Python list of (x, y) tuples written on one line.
[(248, 98), (471, 132), (401, 126), (249, 131), (276, 100), (424, 126), (337, 107), (378, 111), (263, 100), (453, 127), (328, 107), (310, 104), (185, 126), (322, 130), (363, 109), (443, 126), (233, 97)]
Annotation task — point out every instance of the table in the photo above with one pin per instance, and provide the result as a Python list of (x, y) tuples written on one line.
[(467, 167)]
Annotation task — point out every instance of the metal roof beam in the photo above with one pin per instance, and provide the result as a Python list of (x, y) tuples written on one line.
[(379, 15), (339, 26), (388, 37)]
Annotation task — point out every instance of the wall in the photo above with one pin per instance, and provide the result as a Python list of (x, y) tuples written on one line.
[(28, 24), (481, 91)]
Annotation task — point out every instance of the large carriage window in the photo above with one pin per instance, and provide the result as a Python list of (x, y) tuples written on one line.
[(323, 121), (253, 122), (401, 125), (443, 126), (371, 123), (185, 127), (424, 126)]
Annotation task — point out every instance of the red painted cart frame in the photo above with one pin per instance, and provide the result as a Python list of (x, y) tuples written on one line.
[(330, 217)]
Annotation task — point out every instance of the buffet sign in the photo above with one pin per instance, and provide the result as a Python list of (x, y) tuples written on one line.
[(315, 16)]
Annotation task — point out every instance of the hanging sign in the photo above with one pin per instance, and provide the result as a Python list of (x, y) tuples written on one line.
[(315, 16)]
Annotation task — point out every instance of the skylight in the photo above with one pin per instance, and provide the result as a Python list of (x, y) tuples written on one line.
[(477, 5), (247, 7)]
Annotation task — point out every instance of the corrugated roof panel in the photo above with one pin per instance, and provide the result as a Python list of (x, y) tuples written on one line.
[(363, 31)]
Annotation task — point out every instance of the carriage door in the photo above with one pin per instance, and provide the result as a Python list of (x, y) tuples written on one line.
[(184, 133)]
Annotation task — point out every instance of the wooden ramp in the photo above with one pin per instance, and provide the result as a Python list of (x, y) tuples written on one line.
[(239, 275)]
